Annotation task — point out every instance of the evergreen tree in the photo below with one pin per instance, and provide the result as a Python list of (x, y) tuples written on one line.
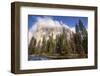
[(82, 27), (78, 39), (51, 47), (81, 37), (85, 44), (43, 44), (77, 28), (65, 43), (62, 44), (84, 36), (48, 45), (38, 48), (58, 44), (72, 43), (32, 46)]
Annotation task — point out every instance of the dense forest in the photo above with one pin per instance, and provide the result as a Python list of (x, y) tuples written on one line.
[(61, 47)]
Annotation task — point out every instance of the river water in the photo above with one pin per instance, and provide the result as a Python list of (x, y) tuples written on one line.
[(34, 57)]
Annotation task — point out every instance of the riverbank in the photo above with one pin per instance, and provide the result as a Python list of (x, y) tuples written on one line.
[(52, 57)]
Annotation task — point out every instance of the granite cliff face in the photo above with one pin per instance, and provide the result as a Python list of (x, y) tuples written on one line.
[(45, 27), (43, 31)]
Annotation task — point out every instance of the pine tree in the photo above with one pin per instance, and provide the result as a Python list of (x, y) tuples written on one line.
[(81, 38), (84, 36), (62, 44), (48, 46), (77, 28), (82, 27), (38, 48), (32, 46), (58, 44), (51, 47), (72, 43), (65, 43), (78, 39), (44, 44), (85, 44)]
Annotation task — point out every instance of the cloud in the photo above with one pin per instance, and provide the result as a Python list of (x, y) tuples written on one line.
[(47, 22), (73, 29), (30, 36)]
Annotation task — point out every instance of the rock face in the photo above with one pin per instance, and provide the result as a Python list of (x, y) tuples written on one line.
[(46, 31), (45, 27)]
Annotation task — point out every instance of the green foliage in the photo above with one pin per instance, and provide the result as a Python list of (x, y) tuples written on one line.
[(32, 46), (81, 38), (43, 47), (76, 28)]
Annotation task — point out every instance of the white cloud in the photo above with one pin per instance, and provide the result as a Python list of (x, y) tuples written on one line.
[(30, 36), (73, 29), (47, 22)]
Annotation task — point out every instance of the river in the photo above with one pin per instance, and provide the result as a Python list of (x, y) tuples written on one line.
[(34, 57)]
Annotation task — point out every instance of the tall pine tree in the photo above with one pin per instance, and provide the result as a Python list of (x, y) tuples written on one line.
[(32, 46)]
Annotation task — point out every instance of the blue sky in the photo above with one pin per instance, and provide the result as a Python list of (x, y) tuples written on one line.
[(71, 21)]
